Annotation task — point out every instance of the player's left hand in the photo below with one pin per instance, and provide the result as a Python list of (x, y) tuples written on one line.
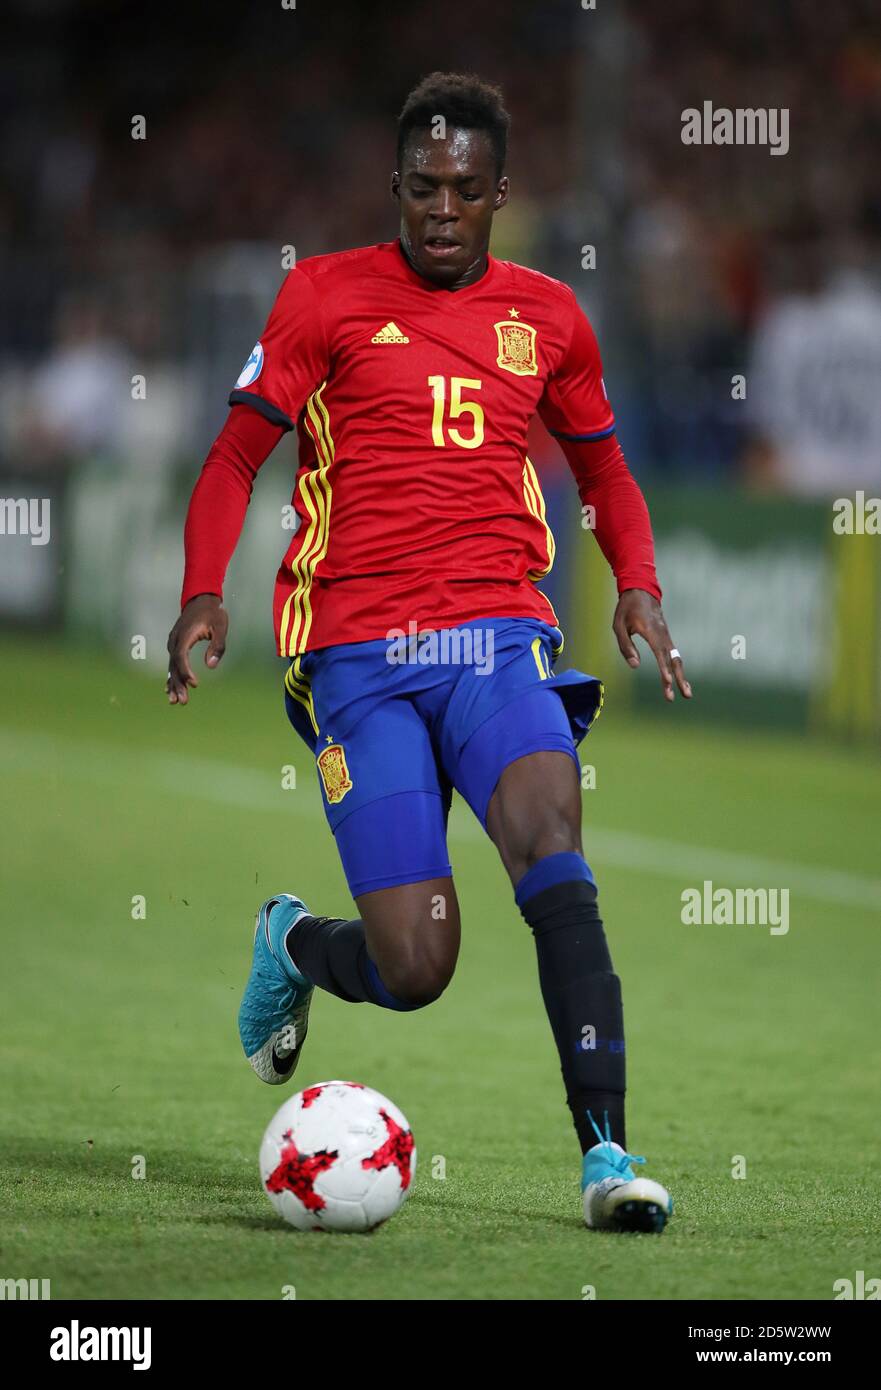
[(640, 613)]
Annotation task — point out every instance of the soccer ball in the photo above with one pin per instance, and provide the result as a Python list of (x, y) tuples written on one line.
[(337, 1157)]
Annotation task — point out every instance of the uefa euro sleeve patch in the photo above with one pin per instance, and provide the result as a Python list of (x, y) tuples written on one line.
[(334, 773), (252, 368)]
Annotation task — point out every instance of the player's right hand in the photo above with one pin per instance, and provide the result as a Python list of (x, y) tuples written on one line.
[(203, 620)]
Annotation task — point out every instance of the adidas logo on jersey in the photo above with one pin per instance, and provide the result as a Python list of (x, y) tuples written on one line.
[(390, 334)]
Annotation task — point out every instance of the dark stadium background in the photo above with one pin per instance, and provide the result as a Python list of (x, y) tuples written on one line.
[(159, 258), (268, 127)]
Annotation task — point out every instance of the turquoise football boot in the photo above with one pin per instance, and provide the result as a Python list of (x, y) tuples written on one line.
[(274, 1013), (615, 1199)]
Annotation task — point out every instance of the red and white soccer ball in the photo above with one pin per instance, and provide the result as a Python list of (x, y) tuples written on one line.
[(337, 1157)]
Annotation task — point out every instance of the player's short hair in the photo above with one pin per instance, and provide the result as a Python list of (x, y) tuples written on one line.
[(464, 100)]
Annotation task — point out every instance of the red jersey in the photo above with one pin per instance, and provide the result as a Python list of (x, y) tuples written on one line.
[(415, 497)]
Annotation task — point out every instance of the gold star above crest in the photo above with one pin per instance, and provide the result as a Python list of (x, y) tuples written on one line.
[(329, 737), (513, 314)]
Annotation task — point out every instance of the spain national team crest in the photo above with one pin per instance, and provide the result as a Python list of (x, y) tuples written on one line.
[(516, 348), (334, 773)]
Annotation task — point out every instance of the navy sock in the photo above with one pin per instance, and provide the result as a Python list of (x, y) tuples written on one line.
[(582, 995), (332, 953)]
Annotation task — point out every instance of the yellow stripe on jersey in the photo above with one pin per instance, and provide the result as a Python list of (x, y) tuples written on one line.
[(313, 504), (315, 494), (297, 565), (313, 501), (535, 504), (323, 493)]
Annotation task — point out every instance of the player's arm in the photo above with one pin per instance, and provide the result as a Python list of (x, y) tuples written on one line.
[(287, 364), (624, 534), (214, 523), (577, 412)]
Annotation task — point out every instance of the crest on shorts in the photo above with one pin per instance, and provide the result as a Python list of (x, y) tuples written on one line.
[(516, 348), (334, 773)]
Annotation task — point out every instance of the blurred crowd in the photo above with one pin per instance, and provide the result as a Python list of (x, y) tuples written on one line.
[(156, 259)]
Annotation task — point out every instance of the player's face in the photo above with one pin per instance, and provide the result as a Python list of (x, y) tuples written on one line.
[(449, 191)]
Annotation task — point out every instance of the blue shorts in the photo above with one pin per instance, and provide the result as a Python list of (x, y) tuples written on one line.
[(394, 726)]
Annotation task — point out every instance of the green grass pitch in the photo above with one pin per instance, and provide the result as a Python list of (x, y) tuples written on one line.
[(119, 1035)]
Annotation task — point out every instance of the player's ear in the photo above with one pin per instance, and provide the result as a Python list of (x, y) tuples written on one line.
[(396, 184), (501, 197)]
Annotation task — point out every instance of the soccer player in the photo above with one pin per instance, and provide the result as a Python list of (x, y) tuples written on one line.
[(420, 654)]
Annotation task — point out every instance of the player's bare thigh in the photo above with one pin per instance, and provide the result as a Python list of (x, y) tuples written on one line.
[(412, 933), (535, 811)]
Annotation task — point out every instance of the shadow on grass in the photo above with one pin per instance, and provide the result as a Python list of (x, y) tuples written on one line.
[(25, 1160), (182, 1175)]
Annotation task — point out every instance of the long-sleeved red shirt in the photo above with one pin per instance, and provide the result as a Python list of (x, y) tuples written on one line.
[(220, 501), (415, 498)]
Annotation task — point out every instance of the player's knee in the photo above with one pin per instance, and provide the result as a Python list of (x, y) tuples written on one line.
[(417, 981), (549, 832), (533, 820), (554, 834)]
